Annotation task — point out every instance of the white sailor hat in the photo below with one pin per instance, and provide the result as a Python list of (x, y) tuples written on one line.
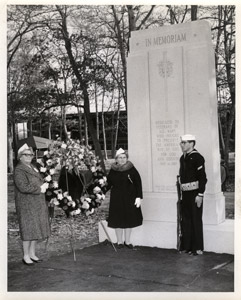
[(188, 137), (120, 151)]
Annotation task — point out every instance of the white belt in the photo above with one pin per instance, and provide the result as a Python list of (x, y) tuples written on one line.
[(190, 186)]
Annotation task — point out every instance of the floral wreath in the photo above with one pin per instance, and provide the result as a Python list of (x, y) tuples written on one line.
[(72, 155)]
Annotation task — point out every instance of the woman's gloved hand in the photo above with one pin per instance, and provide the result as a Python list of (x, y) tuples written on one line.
[(138, 202), (44, 187)]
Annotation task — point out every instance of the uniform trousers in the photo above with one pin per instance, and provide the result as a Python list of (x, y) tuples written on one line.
[(192, 225)]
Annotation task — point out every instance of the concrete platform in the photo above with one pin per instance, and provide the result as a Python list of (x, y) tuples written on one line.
[(217, 238), (100, 269)]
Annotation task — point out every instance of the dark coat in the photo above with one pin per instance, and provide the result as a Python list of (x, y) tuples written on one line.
[(31, 207), (125, 187), (71, 182)]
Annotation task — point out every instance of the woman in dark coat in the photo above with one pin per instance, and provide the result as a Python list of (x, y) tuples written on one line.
[(125, 198), (31, 208)]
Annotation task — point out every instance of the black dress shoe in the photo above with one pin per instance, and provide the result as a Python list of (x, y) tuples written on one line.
[(130, 246), (27, 264), (119, 246), (36, 260)]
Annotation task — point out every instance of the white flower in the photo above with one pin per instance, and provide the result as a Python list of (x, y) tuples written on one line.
[(81, 156), (64, 146), (96, 190), (55, 184), (46, 152), (93, 169), (100, 196), (105, 178), (75, 212), (66, 194), (60, 196), (52, 171), (43, 170), (85, 205), (49, 162), (69, 198), (48, 178), (87, 199), (90, 212), (73, 204), (101, 182)]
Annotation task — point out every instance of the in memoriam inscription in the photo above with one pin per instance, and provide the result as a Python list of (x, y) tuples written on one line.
[(167, 39)]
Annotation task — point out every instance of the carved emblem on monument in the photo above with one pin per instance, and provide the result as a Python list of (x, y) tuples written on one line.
[(165, 70)]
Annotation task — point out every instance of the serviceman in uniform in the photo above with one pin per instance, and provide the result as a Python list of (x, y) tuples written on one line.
[(193, 181)]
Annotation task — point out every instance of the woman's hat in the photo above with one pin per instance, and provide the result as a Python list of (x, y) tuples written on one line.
[(120, 151), (23, 148)]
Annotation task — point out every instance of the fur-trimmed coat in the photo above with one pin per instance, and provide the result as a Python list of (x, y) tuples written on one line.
[(125, 184), (31, 207)]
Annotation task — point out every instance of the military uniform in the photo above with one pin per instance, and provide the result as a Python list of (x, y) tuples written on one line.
[(193, 181)]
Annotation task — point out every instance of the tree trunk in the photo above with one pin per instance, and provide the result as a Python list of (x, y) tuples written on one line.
[(65, 130), (86, 133), (91, 128), (231, 84), (10, 150), (49, 130), (97, 115), (122, 52), (117, 122), (112, 134), (30, 124), (40, 127), (103, 126), (82, 83), (222, 144), (15, 146), (104, 135), (80, 124), (193, 12)]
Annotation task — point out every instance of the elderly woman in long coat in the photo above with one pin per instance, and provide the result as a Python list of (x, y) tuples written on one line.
[(31, 207), (125, 198)]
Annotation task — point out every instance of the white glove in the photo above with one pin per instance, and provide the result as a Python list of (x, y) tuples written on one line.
[(138, 202), (44, 187), (199, 201)]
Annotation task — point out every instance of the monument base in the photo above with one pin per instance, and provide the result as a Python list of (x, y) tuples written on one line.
[(217, 238), (162, 207)]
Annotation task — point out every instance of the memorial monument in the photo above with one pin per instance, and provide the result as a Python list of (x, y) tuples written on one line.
[(171, 87)]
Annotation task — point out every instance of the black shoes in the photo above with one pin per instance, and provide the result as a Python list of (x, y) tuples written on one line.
[(36, 260), (195, 253), (129, 246), (27, 264), (119, 246), (31, 264)]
